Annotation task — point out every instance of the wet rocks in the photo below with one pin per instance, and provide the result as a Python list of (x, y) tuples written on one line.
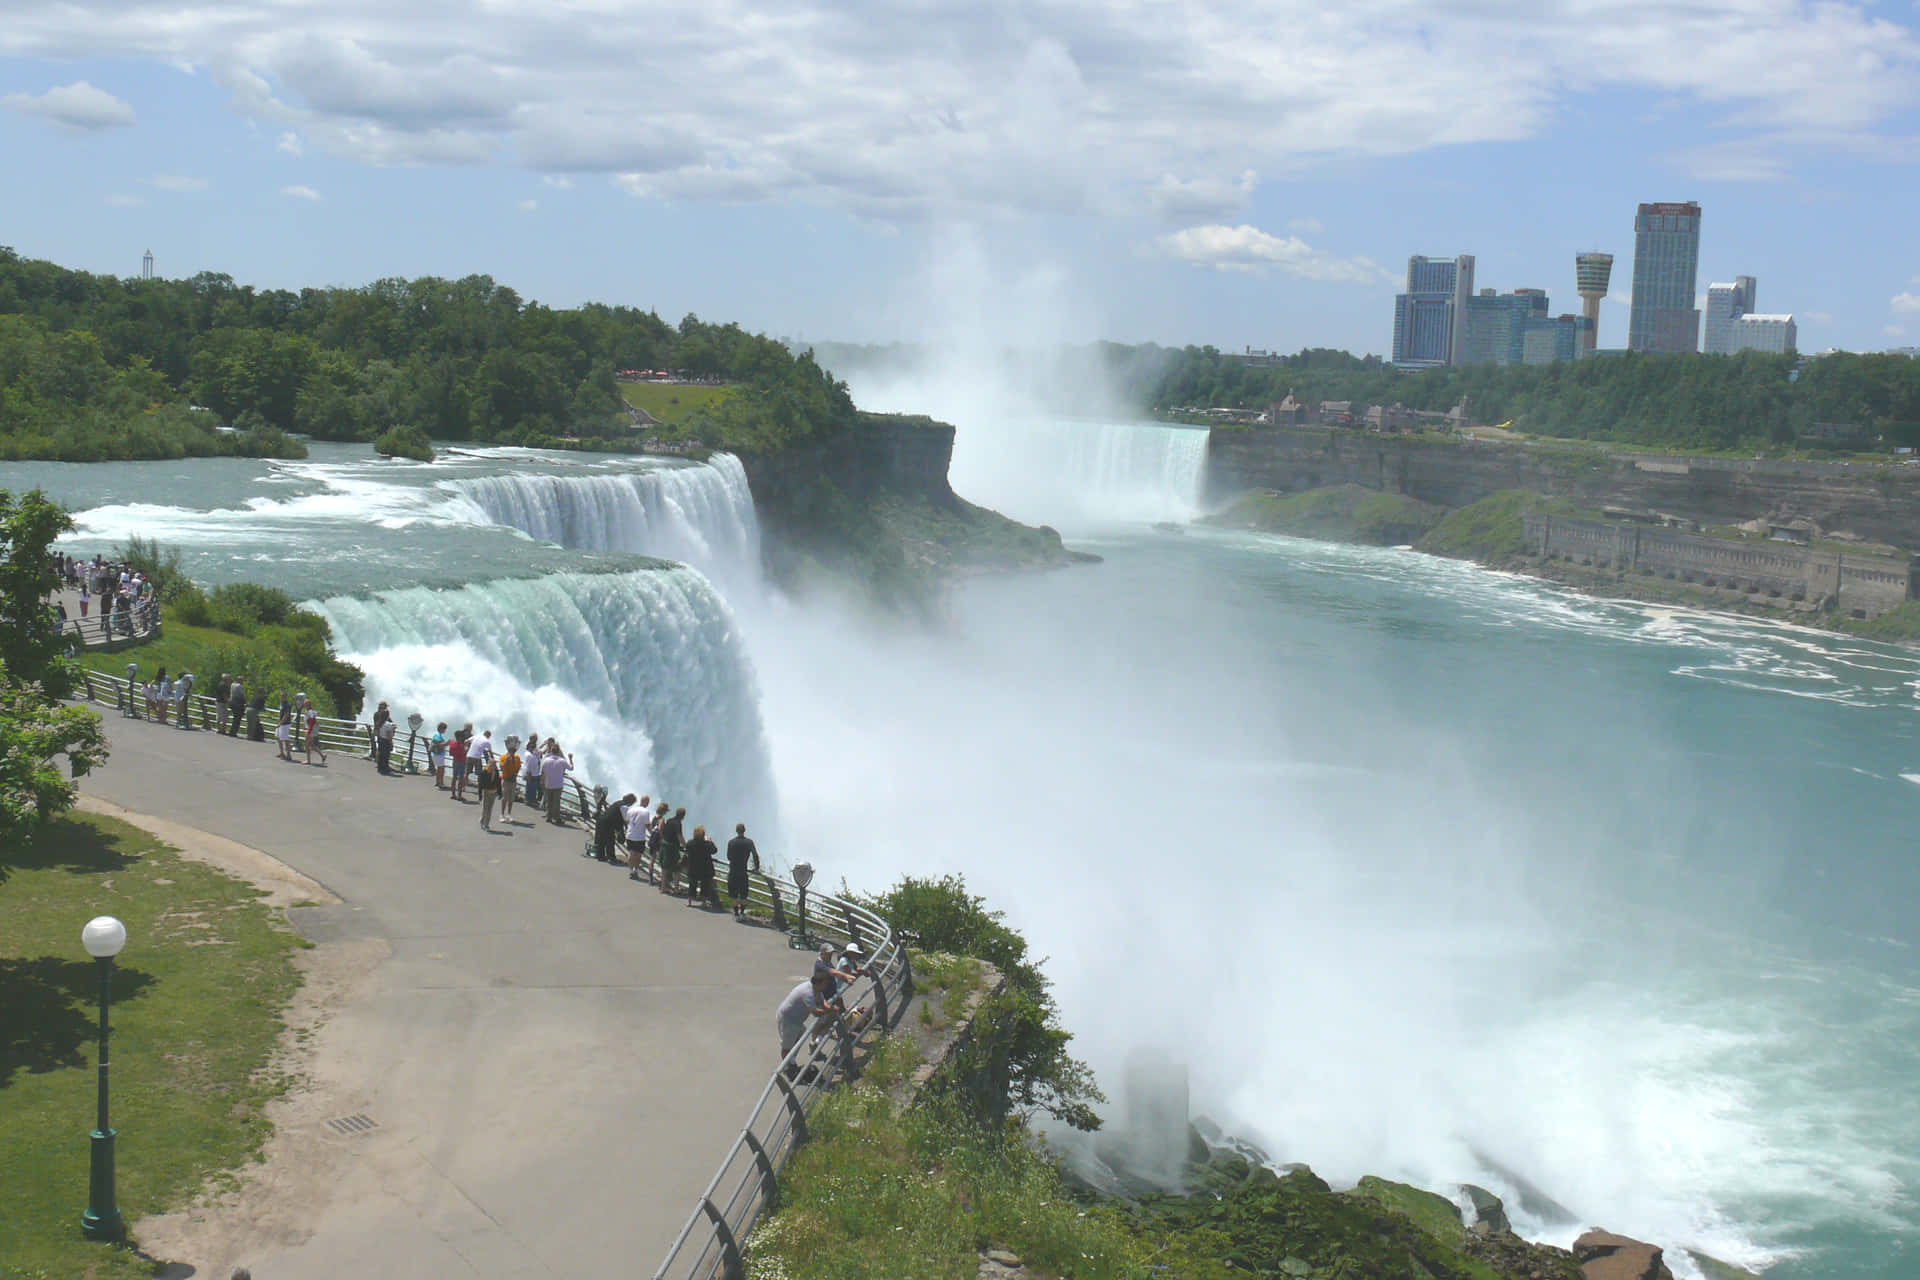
[(1605, 1256)]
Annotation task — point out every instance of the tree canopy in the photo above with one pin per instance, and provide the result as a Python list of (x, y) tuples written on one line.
[(97, 366)]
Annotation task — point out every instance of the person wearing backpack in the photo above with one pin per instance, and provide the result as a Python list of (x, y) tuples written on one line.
[(489, 788)]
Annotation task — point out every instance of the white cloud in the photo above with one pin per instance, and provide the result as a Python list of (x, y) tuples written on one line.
[(905, 111), (177, 183), (1245, 248), (289, 143), (1306, 226), (76, 107), (120, 201), (528, 206), (560, 181), (300, 192), (1905, 302)]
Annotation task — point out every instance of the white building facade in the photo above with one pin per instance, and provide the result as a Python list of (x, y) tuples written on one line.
[(1725, 304), (1775, 334)]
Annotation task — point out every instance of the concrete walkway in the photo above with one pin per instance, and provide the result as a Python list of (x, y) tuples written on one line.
[(554, 1057)]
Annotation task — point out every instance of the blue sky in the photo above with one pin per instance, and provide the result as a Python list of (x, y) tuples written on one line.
[(1234, 173)]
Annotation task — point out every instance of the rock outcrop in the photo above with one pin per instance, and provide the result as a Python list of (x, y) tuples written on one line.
[(1605, 1256)]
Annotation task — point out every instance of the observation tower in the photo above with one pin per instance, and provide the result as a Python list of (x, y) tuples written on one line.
[(1591, 272)]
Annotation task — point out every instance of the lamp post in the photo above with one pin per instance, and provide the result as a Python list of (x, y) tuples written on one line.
[(103, 937), (803, 876)]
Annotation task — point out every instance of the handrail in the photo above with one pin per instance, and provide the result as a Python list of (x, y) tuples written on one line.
[(711, 1244), (105, 627)]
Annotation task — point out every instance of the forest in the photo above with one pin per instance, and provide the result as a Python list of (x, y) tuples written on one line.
[(95, 367), (1746, 401)]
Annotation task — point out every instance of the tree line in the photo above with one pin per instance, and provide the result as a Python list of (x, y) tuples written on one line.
[(98, 366), (1689, 402)]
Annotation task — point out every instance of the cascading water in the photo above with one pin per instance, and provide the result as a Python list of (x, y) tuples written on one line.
[(640, 675), (702, 515), (1056, 470)]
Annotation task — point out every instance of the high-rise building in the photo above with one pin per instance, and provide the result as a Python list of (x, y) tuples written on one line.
[(1549, 341), (1666, 266), (1591, 274), (1725, 304), (1497, 325), (1777, 334), (1427, 317)]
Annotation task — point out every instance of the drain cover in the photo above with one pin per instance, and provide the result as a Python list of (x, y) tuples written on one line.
[(353, 1124)]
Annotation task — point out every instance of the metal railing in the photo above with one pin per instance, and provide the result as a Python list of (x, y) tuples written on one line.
[(141, 622), (711, 1245)]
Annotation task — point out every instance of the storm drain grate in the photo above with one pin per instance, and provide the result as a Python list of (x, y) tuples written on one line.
[(353, 1124)]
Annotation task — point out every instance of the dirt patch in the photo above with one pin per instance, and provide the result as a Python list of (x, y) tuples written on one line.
[(283, 886), (272, 1204)]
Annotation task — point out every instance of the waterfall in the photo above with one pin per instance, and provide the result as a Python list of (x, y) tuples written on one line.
[(702, 515), (1057, 470), (641, 675)]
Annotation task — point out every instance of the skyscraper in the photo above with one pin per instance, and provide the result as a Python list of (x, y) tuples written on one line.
[(1666, 266), (1428, 317), (1725, 304), (1591, 274), (1497, 325)]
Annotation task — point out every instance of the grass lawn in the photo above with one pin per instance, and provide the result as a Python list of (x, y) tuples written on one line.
[(197, 1000), (671, 402), (207, 651)]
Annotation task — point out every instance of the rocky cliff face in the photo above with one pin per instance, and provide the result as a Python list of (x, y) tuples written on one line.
[(1880, 503), (872, 508)]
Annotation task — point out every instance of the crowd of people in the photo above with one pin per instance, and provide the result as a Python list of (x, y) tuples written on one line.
[(650, 839), (121, 596)]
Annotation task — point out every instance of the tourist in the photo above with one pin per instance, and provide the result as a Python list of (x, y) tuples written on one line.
[(457, 750), (639, 819), (741, 852), (656, 832), (256, 706), (312, 735), (488, 785), (509, 777), (383, 746), (700, 851), (536, 759), (437, 756), (484, 746), (804, 1001), (283, 731), (236, 704), (554, 767), (825, 967), (162, 694), (85, 596), (182, 701), (672, 842), (380, 717)]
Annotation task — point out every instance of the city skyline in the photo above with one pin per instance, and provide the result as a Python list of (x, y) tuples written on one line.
[(1080, 174)]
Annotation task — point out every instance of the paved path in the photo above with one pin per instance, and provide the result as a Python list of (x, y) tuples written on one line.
[(556, 1057)]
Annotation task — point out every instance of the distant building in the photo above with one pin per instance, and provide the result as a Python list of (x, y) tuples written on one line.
[(1291, 412), (1428, 317), (1666, 267), (1591, 274), (1725, 304), (1497, 325), (1549, 341), (1776, 334), (1335, 413)]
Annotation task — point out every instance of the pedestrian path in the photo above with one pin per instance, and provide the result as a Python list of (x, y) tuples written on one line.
[(553, 1058)]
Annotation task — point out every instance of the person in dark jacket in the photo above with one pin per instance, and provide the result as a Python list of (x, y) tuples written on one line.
[(236, 705), (256, 706), (672, 842), (740, 853), (608, 827), (700, 851)]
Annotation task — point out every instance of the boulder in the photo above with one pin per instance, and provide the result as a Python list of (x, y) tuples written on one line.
[(1488, 1211), (1605, 1256)]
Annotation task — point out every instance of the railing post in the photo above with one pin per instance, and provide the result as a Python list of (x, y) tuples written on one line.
[(769, 1176), (793, 1102), (779, 908), (729, 1247), (853, 925)]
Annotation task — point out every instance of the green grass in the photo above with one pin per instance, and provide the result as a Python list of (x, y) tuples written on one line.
[(206, 652), (1342, 513), (672, 403), (878, 1196), (1900, 625), (198, 996), (1493, 526)]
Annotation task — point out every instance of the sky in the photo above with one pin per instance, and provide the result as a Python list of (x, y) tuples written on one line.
[(1176, 171)]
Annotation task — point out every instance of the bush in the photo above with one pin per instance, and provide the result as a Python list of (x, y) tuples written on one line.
[(404, 442)]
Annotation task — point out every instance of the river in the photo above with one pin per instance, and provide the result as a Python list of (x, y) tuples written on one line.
[(1424, 871)]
